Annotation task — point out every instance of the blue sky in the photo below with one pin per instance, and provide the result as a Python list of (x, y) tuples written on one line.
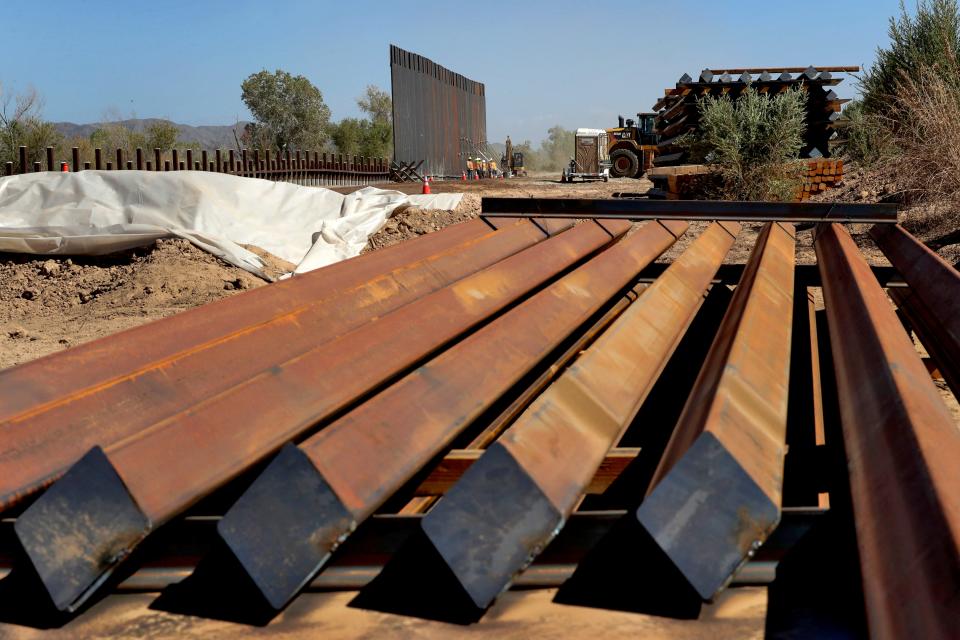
[(543, 62)]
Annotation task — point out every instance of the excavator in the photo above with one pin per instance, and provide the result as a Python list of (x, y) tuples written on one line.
[(632, 145)]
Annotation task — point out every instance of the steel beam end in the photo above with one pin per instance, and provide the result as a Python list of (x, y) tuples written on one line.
[(485, 539), (77, 532), (285, 526), (708, 515)]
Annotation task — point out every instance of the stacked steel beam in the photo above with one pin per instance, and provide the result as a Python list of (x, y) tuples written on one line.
[(678, 113), (478, 383)]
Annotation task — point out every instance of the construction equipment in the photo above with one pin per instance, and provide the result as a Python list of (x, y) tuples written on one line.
[(632, 145), (516, 164), (590, 161)]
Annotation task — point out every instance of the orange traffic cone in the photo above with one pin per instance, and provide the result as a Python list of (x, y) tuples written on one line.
[(463, 175), (426, 186), (64, 167)]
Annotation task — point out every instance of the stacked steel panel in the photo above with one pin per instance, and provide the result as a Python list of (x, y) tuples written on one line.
[(439, 116), (678, 112)]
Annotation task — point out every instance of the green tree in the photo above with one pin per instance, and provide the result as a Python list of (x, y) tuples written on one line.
[(931, 38), (376, 103), (347, 135), (372, 136), (356, 136), (378, 136), (161, 134), (288, 109), (377, 141), (753, 143)]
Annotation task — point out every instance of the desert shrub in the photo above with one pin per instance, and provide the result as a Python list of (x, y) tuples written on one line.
[(752, 143), (868, 139), (912, 79), (927, 136)]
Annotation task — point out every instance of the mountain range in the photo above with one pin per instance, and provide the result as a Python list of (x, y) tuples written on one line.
[(208, 136)]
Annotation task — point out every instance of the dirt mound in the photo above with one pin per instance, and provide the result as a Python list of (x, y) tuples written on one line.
[(48, 304), (935, 223), (863, 185), (409, 222)]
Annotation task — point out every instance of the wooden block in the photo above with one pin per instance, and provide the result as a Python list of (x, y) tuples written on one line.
[(684, 169), (457, 461)]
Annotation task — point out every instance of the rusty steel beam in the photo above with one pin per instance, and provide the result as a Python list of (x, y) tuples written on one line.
[(424, 501), (54, 409), (715, 496), (932, 301), (627, 209), (499, 424), (902, 448), (110, 500), (338, 478), (545, 461)]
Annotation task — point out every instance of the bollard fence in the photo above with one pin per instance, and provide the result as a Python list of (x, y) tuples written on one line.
[(308, 168)]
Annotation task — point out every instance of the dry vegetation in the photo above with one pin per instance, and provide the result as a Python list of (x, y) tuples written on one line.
[(927, 111)]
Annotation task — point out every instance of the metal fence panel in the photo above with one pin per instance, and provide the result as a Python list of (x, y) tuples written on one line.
[(438, 116)]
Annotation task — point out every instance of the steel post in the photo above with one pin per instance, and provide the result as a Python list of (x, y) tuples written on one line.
[(902, 448), (344, 473)]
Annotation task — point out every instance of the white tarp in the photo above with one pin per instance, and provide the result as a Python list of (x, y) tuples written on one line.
[(99, 212)]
